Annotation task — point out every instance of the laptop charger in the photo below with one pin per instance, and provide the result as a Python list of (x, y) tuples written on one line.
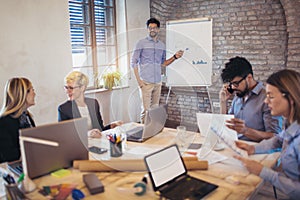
[(93, 184)]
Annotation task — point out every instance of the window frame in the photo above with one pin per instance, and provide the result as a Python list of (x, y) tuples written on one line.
[(89, 17)]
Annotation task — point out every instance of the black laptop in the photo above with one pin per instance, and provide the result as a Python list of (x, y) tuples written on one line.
[(169, 176)]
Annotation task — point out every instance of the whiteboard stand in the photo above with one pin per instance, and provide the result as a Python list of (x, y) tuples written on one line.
[(167, 99)]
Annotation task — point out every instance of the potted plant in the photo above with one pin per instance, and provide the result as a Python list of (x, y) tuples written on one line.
[(111, 79)]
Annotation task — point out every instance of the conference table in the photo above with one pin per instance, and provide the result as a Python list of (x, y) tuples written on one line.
[(234, 181)]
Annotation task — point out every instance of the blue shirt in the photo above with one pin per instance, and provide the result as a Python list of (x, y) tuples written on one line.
[(149, 55), (255, 112), (288, 179)]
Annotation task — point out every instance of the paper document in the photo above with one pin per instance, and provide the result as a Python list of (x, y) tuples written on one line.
[(229, 142), (207, 120), (213, 157)]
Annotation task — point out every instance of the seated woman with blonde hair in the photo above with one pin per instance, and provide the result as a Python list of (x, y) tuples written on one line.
[(78, 105), (18, 97), (283, 98)]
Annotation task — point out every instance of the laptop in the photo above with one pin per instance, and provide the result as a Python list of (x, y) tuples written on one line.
[(155, 120), (41, 159), (168, 175)]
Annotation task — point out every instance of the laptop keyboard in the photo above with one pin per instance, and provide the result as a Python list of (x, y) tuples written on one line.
[(189, 188), (136, 132)]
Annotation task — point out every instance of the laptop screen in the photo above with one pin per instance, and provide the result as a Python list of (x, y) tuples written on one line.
[(164, 166)]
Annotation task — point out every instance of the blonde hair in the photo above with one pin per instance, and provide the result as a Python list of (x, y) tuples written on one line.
[(77, 77), (15, 93)]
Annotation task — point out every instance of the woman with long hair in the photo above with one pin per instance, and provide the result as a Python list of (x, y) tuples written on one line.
[(14, 115), (283, 98)]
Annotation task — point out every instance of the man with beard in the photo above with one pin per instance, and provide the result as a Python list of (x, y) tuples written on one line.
[(252, 117), (148, 57)]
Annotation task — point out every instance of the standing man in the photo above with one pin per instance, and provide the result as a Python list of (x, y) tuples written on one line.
[(253, 120), (148, 57)]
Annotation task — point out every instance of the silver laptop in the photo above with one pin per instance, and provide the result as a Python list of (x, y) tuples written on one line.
[(155, 120), (71, 136)]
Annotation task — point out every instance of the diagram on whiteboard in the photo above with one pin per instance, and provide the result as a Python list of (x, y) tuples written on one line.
[(194, 37)]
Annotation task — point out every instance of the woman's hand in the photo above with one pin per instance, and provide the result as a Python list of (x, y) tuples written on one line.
[(253, 166), (247, 147), (116, 123), (94, 133)]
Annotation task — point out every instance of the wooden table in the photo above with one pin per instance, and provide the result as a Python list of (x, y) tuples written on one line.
[(233, 179)]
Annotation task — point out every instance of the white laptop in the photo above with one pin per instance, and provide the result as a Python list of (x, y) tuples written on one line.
[(155, 120)]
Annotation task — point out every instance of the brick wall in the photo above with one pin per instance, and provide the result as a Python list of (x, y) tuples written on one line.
[(292, 15), (266, 32)]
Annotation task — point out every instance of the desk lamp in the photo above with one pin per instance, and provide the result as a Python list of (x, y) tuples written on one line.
[(27, 184)]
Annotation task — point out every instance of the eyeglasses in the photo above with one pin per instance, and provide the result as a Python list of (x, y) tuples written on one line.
[(236, 83), (70, 87), (153, 28)]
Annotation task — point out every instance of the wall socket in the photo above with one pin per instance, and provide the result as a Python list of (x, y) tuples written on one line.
[(216, 104)]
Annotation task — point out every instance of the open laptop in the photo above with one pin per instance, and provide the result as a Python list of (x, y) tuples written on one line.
[(41, 159), (168, 175), (155, 120)]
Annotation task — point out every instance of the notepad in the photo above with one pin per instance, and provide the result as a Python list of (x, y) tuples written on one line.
[(61, 173)]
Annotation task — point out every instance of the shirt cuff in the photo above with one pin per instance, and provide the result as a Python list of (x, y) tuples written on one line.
[(267, 174), (259, 149)]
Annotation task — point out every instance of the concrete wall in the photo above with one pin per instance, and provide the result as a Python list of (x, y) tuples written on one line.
[(35, 43)]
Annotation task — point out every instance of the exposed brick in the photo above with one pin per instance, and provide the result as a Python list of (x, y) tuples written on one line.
[(266, 32)]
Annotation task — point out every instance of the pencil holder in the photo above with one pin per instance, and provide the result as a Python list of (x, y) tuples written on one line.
[(13, 192), (115, 149)]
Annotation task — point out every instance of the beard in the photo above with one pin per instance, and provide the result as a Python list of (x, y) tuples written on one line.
[(241, 94), (153, 34)]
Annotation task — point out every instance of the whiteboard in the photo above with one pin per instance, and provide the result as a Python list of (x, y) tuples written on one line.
[(194, 36)]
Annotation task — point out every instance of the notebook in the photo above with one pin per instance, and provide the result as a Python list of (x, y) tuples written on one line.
[(15, 167), (155, 120), (71, 136), (168, 175)]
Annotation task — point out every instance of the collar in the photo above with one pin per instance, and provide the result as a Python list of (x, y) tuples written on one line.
[(259, 87), (151, 39), (292, 131)]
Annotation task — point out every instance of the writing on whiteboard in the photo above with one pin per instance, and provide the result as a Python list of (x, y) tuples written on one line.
[(199, 62)]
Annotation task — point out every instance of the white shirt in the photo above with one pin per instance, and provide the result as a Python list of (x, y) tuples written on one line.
[(84, 112)]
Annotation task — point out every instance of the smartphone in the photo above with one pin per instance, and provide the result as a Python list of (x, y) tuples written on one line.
[(195, 146), (230, 90), (97, 150)]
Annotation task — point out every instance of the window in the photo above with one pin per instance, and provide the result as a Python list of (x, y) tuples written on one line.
[(93, 37)]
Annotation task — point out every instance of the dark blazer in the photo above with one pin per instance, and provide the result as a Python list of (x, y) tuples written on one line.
[(9, 138), (69, 110)]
